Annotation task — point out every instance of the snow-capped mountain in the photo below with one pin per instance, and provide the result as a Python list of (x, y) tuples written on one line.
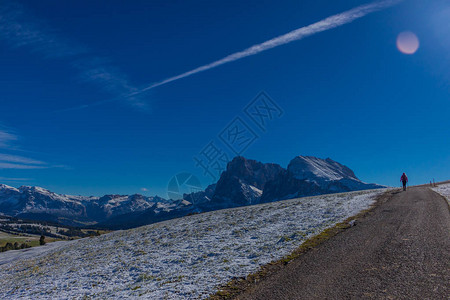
[(41, 204), (309, 167), (244, 182), (109, 206), (250, 182), (310, 176), (26, 201), (160, 211)]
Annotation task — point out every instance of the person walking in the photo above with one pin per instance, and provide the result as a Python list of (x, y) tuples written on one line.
[(404, 180)]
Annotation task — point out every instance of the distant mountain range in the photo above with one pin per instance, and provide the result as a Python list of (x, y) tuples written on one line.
[(245, 182)]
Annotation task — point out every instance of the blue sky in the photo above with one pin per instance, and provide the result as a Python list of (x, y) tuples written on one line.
[(76, 118)]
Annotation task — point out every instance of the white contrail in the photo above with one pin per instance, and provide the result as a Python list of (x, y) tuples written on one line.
[(295, 35)]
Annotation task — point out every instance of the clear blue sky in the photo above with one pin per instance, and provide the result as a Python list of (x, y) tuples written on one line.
[(68, 123)]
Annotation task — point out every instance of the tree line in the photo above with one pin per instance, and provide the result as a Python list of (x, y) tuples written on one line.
[(17, 246)]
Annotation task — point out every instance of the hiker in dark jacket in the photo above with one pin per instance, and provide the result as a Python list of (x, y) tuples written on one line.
[(404, 180)]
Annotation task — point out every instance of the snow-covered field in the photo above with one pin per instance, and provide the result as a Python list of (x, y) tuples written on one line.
[(188, 257), (444, 190)]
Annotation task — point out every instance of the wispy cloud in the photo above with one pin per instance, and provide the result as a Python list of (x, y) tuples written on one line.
[(14, 179), (20, 29), (5, 165), (101, 72), (6, 138), (11, 161), (295, 35), (19, 159)]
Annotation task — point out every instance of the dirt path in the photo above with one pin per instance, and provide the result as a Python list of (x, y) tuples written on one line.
[(400, 251)]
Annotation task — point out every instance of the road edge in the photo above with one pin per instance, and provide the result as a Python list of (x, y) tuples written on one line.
[(237, 286)]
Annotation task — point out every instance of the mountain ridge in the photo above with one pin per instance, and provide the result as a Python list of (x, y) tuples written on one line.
[(244, 182)]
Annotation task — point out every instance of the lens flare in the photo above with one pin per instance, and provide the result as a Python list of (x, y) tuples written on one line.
[(407, 42)]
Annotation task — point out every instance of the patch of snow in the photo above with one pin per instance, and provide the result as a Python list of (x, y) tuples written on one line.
[(252, 194), (256, 190), (444, 190), (8, 188), (185, 202), (187, 257), (303, 166)]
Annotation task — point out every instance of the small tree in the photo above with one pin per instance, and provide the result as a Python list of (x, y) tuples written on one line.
[(42, 240), (9, 246)]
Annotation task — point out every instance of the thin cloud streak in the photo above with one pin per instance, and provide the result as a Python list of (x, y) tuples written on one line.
[(6, 138), (5, 165), (295, 35), (19, 159), (9, 161), (12, 161), (14, 179)]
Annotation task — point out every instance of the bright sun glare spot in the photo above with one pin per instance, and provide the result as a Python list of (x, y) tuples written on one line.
[(407, 42)]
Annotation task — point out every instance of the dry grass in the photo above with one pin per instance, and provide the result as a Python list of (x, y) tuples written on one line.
[(32, 240)]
